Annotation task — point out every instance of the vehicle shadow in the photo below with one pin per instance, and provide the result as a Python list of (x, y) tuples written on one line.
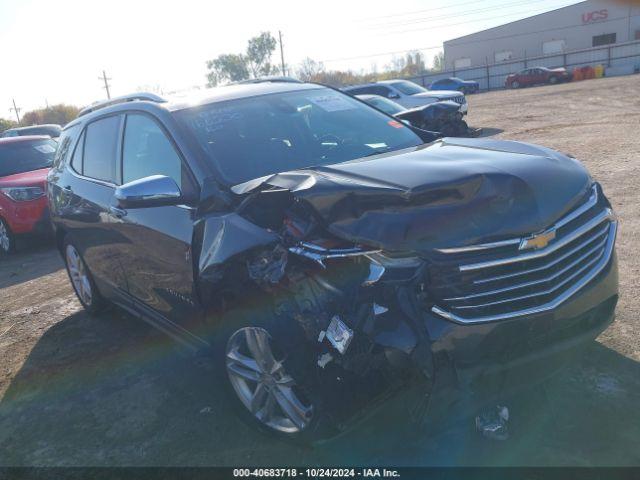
[(490, 132), (112, 391), (32, 260)]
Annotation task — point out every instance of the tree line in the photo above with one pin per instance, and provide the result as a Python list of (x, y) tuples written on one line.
[(254, 62), (60, 114)]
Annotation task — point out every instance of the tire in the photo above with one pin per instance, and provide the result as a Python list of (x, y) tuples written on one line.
[(515, 84), (82, 280), (293, 384), (553, 80), (7, 239)]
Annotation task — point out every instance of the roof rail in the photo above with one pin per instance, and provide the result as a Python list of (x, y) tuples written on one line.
[(144, 96)]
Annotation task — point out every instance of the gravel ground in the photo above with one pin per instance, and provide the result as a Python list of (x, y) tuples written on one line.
[(75, 390)]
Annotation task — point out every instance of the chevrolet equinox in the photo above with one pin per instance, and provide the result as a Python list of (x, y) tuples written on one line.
[(326, 255)]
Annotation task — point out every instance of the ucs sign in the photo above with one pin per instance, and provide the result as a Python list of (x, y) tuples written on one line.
[(595, 16)]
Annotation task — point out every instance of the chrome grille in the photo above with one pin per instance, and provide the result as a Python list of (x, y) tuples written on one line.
[(499, 280)]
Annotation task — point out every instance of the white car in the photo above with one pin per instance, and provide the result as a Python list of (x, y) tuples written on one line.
[(408, 94)]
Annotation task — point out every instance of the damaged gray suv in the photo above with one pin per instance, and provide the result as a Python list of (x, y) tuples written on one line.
[(325, 254)]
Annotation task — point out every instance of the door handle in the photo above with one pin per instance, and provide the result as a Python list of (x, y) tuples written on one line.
[(118, 212), (67, 188)]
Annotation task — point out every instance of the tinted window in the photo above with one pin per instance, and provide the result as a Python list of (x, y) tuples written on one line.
[(19, 157), (385, 105), (100, 147), (440, 82), (253, 137), (605, 39), (76, 160), (408, 88), (147, 151), (380, 90), (64, 146)]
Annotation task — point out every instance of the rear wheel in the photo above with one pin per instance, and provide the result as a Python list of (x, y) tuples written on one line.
[(7, 242), (82, 281), (515, 84)]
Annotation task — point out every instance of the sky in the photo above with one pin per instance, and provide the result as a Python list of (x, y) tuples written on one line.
[(55, 51)]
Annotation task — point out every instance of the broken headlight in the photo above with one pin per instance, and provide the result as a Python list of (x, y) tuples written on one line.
[(394, 262), (394, 268)]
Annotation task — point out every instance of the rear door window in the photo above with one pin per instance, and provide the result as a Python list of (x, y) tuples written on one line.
[(100, 148), (76, 159)]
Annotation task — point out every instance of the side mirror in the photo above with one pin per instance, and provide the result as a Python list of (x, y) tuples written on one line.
[(153, 191)]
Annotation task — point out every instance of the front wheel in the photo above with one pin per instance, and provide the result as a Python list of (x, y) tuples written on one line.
[(553, 80), (7, 243), (82, 281), (515, 84), (269, 379)]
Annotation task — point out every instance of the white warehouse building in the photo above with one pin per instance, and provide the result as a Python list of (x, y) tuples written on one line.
[(592, 23)]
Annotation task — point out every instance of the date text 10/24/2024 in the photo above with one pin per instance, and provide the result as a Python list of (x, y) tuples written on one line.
[(316, 473)]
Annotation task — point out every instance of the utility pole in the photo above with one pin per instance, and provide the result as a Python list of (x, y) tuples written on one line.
[(284, 72), (106, 84), (16, 109)]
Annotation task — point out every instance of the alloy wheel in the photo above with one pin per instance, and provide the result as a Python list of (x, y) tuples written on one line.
[(262, 383), (5, 240), (79, 275)]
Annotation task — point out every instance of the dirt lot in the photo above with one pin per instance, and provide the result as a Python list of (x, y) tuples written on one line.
[(111, 391)]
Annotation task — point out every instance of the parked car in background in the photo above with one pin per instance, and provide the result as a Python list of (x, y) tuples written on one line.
[(443, 117), (325, 255), (268, 79), (455, 83), (24, 164), (52, 130), (537, 76), (408, 94)]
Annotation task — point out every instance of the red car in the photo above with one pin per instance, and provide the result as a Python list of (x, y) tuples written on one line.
[(24, 163), (537, 75)]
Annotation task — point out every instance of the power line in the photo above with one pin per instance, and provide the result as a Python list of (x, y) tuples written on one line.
[(432, 47), (106, 83), (470, 12), (16, 109), (413, 12), (284, 72), (466, 22)]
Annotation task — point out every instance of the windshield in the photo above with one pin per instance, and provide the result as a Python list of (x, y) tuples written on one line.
[(408, 88), (20, 157), (253, 137), (385, 105)]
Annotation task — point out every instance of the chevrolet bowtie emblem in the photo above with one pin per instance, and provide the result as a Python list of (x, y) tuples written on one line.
[(537, 241)]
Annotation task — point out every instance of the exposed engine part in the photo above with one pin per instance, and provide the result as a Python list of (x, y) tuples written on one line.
[(319, 254), (339, 335), (379, 309), (376, 271), (269, 266), (324, 359), (493, 423)]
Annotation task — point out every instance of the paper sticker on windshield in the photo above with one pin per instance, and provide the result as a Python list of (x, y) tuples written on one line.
[(332, 102), (395, 124), (45, 148)]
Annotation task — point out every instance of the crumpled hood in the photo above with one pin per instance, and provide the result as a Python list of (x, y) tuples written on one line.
[(452, 192)]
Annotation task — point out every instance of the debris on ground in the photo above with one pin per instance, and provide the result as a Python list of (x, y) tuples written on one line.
[(493, 423)]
